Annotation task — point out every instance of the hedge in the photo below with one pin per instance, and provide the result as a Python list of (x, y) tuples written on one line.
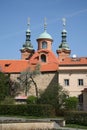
[(76, 117), (27, 110)]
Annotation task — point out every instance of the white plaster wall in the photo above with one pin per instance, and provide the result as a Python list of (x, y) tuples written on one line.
[(73, 88)]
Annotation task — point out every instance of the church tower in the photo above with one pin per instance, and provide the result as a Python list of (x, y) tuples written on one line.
[(45, 40), (63, 50), (27, 50)]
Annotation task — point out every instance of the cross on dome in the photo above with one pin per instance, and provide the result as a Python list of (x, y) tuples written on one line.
[(28, 24), (45, 24), (64, 22)]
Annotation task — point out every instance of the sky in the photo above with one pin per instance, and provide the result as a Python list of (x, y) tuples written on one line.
[(13, 24)]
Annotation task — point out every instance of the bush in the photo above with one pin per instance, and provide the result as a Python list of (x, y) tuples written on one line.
[(76, 117), (71, 103), (59, 112), (27, 110), (7, 100), (31, 100)]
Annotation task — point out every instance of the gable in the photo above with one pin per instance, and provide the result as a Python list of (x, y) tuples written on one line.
[(46, 59)]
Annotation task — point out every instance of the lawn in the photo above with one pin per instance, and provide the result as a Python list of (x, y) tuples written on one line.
[(76, 126)]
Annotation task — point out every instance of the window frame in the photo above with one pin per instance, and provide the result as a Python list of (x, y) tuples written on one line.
[(66, 82), (80, 82), (43, 58), (44, 45)]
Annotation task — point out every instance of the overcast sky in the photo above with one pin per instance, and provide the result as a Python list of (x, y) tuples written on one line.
[(13, 24)]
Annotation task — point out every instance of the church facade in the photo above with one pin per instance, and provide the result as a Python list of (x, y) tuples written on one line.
[(70, 72)]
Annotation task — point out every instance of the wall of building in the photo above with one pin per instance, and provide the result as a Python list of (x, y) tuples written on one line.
[(73, 76), (43, 81), (46, 79), (14, 76)]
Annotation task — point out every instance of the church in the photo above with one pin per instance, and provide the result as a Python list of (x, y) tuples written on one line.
[(70, 72)]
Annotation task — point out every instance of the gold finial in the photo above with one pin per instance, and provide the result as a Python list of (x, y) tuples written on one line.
[(45, 24)]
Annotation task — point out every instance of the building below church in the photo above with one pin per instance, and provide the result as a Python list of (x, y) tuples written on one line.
[(70, 72)]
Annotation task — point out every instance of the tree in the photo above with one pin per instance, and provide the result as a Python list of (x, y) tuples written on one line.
[(14, 88), (54, 95), (27, 77), (8, 88), (4, 86)]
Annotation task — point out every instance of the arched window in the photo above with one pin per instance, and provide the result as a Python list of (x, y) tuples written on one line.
[(44, 45), (43, 58)]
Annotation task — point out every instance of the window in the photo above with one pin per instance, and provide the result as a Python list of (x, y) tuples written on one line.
[(44, 45), (80, 82), (43, 58), (66, 82)]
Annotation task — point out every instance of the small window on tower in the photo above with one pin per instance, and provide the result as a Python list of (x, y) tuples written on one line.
[(44, 45), (43, 58)]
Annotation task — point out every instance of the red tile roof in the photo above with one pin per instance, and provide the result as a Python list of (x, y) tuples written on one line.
[(21, 97), (52, 63), (11, 66), (17, 66), (74, 61)]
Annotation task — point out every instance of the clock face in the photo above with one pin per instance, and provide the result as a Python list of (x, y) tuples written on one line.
[(44, 44)]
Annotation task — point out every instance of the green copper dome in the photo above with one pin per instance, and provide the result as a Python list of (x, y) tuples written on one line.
[(63, 46), (44, 35)]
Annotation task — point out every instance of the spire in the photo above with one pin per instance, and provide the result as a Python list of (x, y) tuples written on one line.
[(28, 23), (28, 32), (64, 22), (63, 49), (64, 44), (64, 32), (28, 44), (45, 24)]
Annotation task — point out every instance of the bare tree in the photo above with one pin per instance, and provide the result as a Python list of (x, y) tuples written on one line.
[(27, 77)]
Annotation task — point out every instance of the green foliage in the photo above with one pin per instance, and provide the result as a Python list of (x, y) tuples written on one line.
[(31, 100), (15, 88), (71, 103), (8, 100), (27, 110), (4, 86), (76, 117), (54, 95)]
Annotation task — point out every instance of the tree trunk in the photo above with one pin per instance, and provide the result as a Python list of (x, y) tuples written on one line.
[(36, 89)]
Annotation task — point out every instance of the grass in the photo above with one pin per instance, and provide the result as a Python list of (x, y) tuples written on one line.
[(76, 126)]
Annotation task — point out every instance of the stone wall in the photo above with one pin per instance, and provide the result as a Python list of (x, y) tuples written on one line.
[(43, 81)]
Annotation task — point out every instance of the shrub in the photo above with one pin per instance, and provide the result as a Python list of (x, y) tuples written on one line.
[(8, 100), (31, 100), (27, 110), (71, 103), (76, 117)]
